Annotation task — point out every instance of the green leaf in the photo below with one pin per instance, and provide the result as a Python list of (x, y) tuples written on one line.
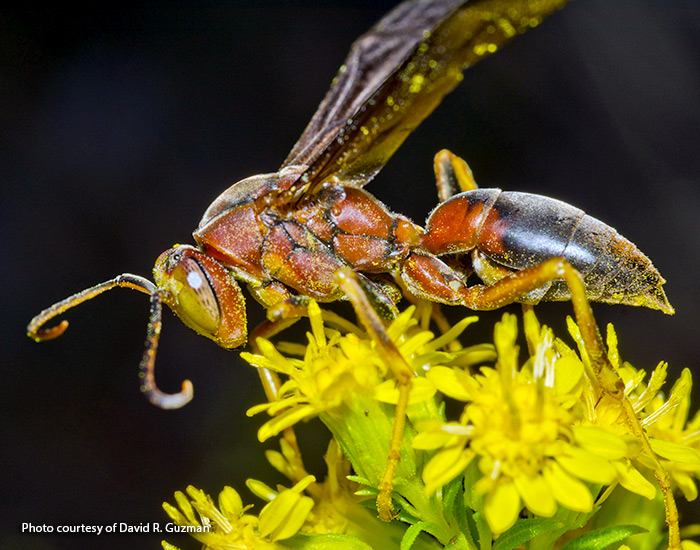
[(452, 491), (404, 517), (359, 479), (602, 538), (525, 530), (464, 516), (485, 535), (410, 536)]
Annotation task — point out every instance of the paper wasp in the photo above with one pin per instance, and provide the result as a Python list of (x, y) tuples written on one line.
[(310, 230)]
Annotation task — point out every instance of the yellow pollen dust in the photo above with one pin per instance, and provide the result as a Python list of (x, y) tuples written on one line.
[(483, 49), (417, 82)]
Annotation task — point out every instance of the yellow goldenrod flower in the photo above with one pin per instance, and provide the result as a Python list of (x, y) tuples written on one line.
[(675, 440), (286, 512), (217, 528), (535, 441), (329, 502), (331, 372), (344, 380), (525, 429)]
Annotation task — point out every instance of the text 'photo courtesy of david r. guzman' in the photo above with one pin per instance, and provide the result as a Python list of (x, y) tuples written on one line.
[(111, 528)]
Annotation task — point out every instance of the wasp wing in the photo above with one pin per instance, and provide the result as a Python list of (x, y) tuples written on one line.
[(372, 59), (395, 75)]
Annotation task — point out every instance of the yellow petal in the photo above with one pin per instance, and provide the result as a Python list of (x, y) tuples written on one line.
[(433, 439), (675, 451), (270, 358), (586, 466), (502, 507), (288, 418), (451, 334), (600, 442), (630, 478), (568, 371), (261, 490), (185, 505), (421, 390), (282, 517), (536, 495), (686, 484), (449, 382), (257, 409), (230, 503), (447, 464), (568, 491)]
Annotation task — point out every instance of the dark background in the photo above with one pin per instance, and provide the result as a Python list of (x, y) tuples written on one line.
[(119, 126)]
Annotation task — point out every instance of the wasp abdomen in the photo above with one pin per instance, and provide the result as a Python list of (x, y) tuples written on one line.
[(518, 230)]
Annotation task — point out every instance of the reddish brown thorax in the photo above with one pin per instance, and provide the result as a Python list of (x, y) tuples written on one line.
[(303, 247)]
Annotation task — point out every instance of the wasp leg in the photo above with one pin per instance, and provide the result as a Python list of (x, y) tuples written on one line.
[(349, 281), (425, 274), (452, 175), (267, 329), (271, 384)]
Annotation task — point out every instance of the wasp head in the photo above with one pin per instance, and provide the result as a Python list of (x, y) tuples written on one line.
[(202, 294)]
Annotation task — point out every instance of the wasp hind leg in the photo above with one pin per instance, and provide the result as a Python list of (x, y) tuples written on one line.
[(452, 175), (429, 277)]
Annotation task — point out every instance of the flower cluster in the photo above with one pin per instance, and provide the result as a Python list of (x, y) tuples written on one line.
[(532, 453)]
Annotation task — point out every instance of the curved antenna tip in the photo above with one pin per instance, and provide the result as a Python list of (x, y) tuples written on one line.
[(44, 334), (169, 400)]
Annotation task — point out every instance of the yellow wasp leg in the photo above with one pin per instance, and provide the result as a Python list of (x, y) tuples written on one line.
[(452, 175), (348, 281), (611, 384)]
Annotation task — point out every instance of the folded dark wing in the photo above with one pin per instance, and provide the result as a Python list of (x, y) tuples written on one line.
[(395, 75)]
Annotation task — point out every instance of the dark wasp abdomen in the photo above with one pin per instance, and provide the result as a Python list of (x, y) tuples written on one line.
[(519, 230)]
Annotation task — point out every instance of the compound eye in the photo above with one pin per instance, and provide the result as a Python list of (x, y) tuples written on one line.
[(197, 305)]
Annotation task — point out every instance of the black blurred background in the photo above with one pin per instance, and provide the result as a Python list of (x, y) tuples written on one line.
[(120, 125)]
